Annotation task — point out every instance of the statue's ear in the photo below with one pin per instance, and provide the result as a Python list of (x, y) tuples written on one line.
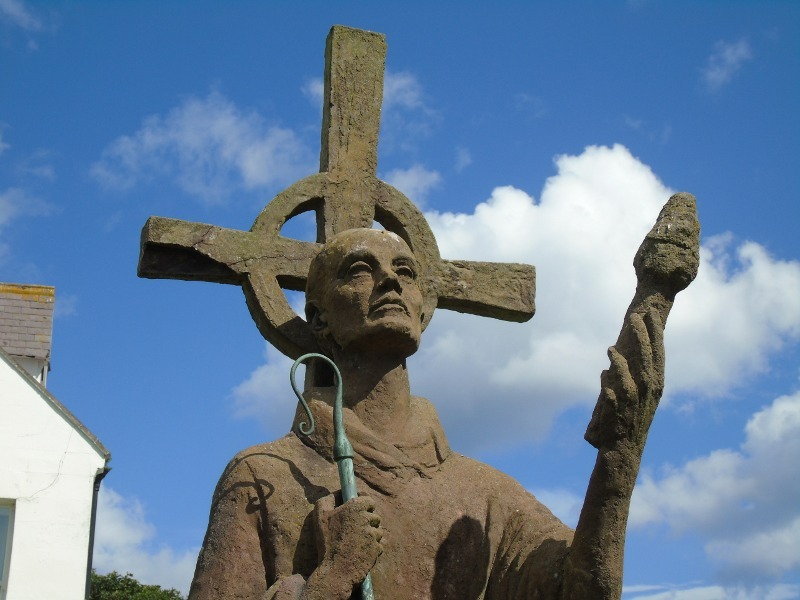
[(316, 320)]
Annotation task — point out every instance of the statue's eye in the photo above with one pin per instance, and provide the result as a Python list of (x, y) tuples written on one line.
[(359, 267), (406, 272)]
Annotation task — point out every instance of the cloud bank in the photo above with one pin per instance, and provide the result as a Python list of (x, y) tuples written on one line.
[(122, 544), (581, 236), (500, 384), (745, 501)]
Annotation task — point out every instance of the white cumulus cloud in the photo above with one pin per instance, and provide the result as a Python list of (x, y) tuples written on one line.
[(209, 148), (581, 236), (122, 544), (497, 383), (742, 309), (745, 501)]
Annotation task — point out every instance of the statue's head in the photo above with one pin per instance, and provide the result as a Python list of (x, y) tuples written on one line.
[(363, 294)]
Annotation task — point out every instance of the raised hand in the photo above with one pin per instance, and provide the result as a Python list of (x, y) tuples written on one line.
[(632, 386), (630, 390)]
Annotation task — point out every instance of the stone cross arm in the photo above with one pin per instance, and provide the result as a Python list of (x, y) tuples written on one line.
[(264, 265), (345, 194), (175, 249)]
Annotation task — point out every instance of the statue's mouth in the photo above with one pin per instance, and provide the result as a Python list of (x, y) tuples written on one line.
[(389, 303)]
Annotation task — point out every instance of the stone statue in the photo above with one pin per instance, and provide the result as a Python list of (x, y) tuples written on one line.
[(429, 523)]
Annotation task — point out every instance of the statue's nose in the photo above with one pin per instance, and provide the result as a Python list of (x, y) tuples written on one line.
[(387, 279)]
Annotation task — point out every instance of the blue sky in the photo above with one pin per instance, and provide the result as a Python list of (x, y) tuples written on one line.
[(548, 134)]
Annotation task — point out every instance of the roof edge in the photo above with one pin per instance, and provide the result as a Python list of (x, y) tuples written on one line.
[(60, 408), (27, 289)]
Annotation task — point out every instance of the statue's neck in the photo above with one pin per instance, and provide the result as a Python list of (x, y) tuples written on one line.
[(376, 389)]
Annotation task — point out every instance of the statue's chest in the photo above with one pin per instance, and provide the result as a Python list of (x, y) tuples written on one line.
[(437, 543)]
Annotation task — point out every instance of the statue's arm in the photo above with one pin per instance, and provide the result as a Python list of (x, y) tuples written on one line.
[(231, 563), (240, 556), (631, 388)]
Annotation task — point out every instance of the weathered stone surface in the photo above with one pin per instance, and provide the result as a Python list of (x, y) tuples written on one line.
[(500, 290), (346, 194), (429, 523), (354, 62), (666, 262), (448, 527), (452, 528)]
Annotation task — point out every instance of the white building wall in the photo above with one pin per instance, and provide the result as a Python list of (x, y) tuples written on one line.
[(47, 467)]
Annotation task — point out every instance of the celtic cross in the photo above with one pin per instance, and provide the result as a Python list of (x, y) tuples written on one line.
[(345, 194)]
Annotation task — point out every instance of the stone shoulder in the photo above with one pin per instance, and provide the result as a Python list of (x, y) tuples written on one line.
[(483, 480), (280, 447), (260, 469)]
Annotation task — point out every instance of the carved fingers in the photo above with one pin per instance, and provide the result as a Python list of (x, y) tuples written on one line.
[(352, 537), (618, 381), (632, 385), (646, 357)]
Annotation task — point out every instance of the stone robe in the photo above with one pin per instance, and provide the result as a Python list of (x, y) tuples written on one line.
[(454, 528)]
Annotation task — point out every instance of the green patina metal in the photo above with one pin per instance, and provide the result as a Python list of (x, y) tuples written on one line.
[(342, 449)]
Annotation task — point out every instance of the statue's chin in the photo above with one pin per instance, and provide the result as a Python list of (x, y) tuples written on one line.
[(394, 340)]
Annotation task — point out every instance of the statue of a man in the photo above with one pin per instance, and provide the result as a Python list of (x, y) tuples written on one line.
[(429, 523)]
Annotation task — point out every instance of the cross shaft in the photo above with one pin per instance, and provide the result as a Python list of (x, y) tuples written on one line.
[(344, 195)]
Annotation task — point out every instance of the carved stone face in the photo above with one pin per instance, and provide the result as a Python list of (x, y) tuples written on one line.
[(363, 294)]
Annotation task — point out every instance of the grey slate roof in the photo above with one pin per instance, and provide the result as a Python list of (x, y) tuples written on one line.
[(26, 319)]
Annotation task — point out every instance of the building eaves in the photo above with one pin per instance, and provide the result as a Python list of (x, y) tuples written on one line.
[(57, 406)]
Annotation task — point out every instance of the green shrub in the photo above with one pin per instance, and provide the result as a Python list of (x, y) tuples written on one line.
[(114, 586)]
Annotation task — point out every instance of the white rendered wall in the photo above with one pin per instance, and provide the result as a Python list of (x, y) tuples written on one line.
[(47, 466)]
